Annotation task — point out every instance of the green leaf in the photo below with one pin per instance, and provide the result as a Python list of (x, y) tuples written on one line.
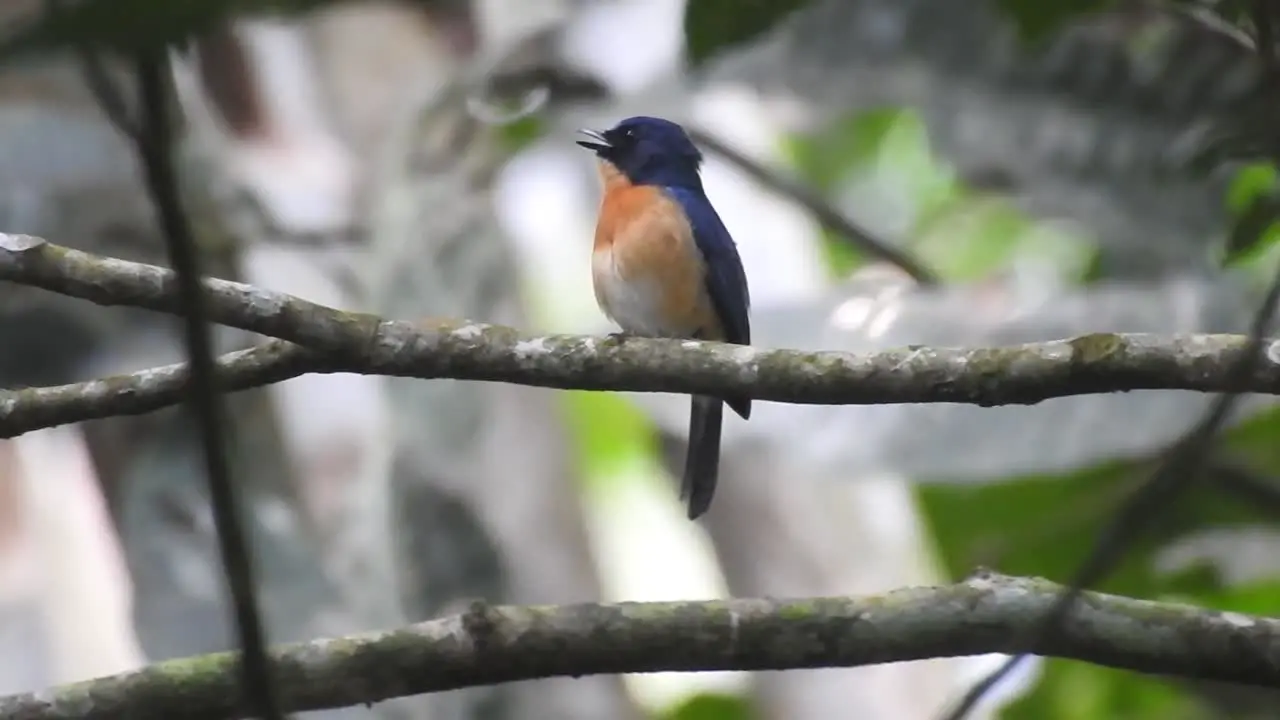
[(609, 431), (713, 26), (521, 132), (1037, 19), (967, 238), (1254, 598), (1255, 438), (709, 706), (1045, 525), (825, 158), (1254, 201), (1072, 690), (1254, 233), (1254, 181)]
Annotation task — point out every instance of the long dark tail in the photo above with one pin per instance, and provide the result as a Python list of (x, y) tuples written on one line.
[(702, 464)]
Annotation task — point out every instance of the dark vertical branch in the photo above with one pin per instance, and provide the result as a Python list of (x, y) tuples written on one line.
[(1264, 32), (154, 146), (1181, 467), (109, 101)]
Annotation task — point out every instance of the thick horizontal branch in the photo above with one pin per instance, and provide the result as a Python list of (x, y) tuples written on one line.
[(338, 341), (489, 645)]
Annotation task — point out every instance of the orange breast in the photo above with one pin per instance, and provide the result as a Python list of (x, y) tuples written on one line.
[(647, 271)]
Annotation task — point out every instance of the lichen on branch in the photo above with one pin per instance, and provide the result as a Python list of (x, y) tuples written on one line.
[(495, 644), (322, 339)]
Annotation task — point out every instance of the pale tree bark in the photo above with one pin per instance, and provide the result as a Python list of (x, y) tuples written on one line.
[(79, 555), (69, 594), (474, 481), (283, 180), (484, 483)]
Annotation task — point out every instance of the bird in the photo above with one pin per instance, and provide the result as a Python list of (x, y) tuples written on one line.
[(663, 264)]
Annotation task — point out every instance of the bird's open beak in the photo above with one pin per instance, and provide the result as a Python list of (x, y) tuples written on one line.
[(598, 140)]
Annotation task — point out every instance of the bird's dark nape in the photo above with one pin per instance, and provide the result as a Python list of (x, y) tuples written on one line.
[(702, 463)]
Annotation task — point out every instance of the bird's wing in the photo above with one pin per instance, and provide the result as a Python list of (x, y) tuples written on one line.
[(725, 278)]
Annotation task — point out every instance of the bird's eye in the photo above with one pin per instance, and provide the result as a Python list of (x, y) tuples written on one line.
[(630, 132)]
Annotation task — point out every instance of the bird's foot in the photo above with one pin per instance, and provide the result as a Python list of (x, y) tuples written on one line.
[(618, 338)]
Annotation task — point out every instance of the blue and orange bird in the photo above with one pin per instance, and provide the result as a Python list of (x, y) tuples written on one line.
[(663, 265)]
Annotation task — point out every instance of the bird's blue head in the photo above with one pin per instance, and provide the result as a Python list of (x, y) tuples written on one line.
[(648, 151)]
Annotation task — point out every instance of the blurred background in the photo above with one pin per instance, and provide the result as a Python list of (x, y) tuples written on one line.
[(1058, 172)]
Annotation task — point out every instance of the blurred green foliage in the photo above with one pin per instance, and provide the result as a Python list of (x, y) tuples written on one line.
[(1037, 19), (713, 26), (610, 432), (712, 706), (1044, 525), (962, 234), (1254, 200), (1031, 525), (521, 132)]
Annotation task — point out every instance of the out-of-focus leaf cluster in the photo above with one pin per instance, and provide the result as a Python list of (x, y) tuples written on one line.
[(1150, 127), (714, 26)]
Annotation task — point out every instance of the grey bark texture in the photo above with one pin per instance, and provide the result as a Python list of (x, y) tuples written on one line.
[(488, 644)]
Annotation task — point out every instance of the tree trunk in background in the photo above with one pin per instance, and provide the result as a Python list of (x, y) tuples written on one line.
[(484, 482), (459, 490), (71, 177), (275, 175), (65, 175)]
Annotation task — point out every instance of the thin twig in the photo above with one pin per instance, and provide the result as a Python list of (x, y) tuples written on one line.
[(826, 214), (154, 147), (109, 98), (1246, 485), (1181, 467)]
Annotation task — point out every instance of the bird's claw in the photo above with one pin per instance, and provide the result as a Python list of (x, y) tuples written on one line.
[(618, 338)]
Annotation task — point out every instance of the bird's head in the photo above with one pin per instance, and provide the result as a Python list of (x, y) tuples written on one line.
[(648, 151)]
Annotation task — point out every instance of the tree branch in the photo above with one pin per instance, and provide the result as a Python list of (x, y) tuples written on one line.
[(337, 341), (488, 645)]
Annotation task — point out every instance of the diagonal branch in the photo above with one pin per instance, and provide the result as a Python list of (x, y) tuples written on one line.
[(29, 409), (103, 280), (489, 645), (823, 211)]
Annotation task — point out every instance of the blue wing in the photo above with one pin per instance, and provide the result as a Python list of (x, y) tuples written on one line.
[(726, 280)]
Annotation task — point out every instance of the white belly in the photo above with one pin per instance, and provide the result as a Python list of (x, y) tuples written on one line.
[(634, 303)]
